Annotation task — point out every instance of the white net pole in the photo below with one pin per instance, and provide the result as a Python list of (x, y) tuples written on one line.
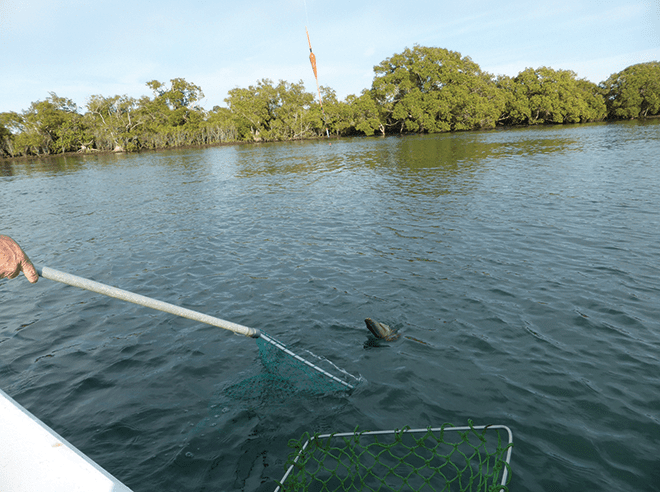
[(124, 295)]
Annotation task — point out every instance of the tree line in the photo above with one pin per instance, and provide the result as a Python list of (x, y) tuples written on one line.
[(421, 90)]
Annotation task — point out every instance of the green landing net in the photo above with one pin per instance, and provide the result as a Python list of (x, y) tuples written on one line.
[(285, 373), (474, 458)]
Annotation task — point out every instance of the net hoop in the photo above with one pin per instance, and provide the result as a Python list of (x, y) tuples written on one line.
[(280, 346), (447, 427)]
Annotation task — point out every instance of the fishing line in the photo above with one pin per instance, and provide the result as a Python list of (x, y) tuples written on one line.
[(312, 60), (306, 15)]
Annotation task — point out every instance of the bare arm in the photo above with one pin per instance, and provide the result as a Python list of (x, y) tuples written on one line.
[(13, 261)]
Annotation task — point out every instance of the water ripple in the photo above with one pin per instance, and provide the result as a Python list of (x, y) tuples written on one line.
[(519, 266)]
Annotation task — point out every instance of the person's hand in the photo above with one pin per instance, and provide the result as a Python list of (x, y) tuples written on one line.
[(13, 261)]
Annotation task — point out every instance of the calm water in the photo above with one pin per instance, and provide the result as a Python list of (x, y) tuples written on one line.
[(521, 267)]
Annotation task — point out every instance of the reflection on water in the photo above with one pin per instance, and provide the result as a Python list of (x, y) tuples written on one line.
[(54, 165), (454, 152), (428, 165), (520, 266), (450, 153)]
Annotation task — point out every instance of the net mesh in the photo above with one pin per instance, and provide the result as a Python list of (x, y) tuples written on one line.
[(285, 373), (442, 459)]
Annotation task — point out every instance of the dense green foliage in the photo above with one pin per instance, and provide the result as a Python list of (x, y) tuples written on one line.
[(267, 112), (419, 90), (50, 126), (545, 95), (634, 92), (435, 90)]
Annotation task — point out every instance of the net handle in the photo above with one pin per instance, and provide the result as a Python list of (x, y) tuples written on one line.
[(124, 295)]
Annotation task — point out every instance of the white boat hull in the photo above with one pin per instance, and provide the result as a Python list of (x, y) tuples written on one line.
[(34, 458)]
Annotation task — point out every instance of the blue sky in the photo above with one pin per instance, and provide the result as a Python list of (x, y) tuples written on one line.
[(78, 48)]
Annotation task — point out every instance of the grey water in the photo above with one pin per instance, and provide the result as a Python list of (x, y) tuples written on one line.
[(520, 266)]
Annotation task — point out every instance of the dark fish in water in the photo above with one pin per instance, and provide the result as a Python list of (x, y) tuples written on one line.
[(381, 330)]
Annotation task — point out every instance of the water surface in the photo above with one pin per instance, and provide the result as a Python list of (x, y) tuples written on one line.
[(521, 267)]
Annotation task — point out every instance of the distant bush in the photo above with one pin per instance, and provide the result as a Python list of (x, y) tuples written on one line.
[(422, 90), (634, 92)]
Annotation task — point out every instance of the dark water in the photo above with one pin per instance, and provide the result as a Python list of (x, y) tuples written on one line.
[(521, 267)]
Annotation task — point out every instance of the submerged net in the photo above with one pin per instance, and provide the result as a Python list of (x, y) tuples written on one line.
[(285, 373), (474, 458)]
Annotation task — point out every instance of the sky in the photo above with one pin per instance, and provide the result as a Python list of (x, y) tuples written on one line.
[(80, 48)]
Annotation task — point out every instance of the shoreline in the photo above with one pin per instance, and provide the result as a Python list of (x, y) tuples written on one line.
[(332, 138)]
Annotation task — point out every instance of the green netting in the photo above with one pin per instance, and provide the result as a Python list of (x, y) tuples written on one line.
[(449, 458), (285, 373)]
